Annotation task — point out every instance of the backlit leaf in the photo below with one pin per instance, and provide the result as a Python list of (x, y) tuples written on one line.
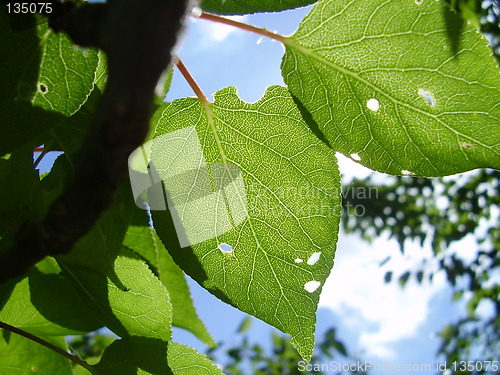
[(184, 360), (46, 79), (144, 241), (389, 88), (264, 240), (128, 299)]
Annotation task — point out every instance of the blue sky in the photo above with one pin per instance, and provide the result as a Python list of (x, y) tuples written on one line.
[(379, 322)]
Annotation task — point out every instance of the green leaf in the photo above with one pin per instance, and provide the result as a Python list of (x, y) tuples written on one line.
[(98, 249), (184, 360), (403, 279), (69, 135), (46, 80), (388, 88), (134, 356), (163, 85), (245, 325), (21, 356), (128, 299), (268, 231), (251, 6), (144, 241), (44, 303)]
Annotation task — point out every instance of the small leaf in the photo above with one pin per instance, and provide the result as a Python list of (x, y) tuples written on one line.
[(384, 82), (420, 276), (403, 279), (245, 325), (18, 355), (384, 261), (264, 240), (251, 6), (163, 85), (457, 295), (142, 239), (128, 299), (48, 79), (184, 360), (134, 356), (388, 276)]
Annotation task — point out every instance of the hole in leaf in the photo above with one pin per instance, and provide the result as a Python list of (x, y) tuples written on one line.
[(466, 145), (298, 260), (418, 2), (43, 88), (427, 96), (373, 104), (355, 157), (313, 258), (312, 285), (404, 172), (225, 248)]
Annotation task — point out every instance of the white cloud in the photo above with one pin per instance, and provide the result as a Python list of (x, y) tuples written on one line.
[(381, 313), (217, 32)]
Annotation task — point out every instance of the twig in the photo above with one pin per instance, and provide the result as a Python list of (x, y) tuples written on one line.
[(47, 344), (244, 26), (191, 81)]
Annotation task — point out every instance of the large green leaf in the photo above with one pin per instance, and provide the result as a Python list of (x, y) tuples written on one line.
[(251, 6), (21, 356), (184, 360), (45, 79), (44, 303), (144, 241), (128, 299), (389, 88), (257, 196)]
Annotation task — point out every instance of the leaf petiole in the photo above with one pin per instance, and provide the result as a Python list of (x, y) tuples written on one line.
[(191, 81), (243, 26)]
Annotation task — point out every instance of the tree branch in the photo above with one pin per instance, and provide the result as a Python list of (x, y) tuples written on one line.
[(137, 37), (47, 344)]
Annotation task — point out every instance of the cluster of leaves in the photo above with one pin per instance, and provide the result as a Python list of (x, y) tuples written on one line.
[(440, 212), (282, 358), (244, 357), (398, 97)]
